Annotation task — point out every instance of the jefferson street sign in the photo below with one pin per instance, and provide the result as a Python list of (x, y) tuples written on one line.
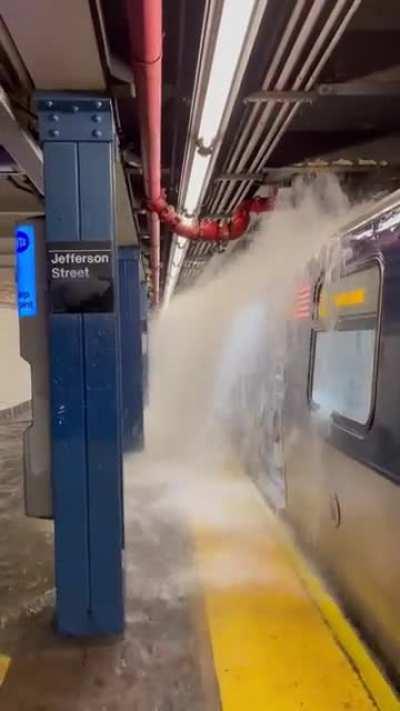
[(81, 277)]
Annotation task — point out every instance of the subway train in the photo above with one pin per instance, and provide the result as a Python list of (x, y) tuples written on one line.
[(337, 424)]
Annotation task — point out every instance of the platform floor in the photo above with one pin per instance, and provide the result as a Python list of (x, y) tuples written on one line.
[(219, 615)]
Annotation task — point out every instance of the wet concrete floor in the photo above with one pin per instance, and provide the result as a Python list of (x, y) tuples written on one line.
[(163, 662)]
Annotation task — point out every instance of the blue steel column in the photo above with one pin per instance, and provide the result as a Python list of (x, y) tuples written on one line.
[(131, 349), (77, 133), (145, 340)]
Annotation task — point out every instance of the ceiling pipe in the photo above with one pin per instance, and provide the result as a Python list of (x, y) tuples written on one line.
[(212, 230), (257, 122), (331, 32), (145, 30), (324, 45)]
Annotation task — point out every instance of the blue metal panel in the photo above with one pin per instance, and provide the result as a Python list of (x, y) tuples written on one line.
[(96, 191), (143, 301), (131, 349), (68, 430), (145, 341), (62, 193), (102, 404), (68, 424), (85, 382)]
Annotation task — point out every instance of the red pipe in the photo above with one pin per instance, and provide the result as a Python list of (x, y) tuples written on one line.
[(145, 29), (212, 230)]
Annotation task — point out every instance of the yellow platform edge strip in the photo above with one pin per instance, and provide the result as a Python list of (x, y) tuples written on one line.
[(4, 667), (373, 678)]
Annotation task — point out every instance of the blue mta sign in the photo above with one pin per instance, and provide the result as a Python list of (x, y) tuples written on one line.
[(26, 271)]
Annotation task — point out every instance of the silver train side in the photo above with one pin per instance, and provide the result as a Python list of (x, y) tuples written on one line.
[(340, 426)]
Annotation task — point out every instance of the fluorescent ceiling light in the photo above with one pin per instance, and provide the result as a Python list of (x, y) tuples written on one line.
[(178, 253), (234, 23), (233, 27), (232, 30), (196, 180)]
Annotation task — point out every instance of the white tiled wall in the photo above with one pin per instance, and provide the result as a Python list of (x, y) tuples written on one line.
[(15, 380)]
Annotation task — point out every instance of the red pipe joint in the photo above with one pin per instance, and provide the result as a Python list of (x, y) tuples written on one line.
[(212, 230)]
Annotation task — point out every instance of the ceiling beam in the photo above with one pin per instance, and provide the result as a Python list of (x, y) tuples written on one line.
[(19, 144), (57, 43)]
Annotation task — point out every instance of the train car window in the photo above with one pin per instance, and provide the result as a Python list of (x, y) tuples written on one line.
[(345, 336)]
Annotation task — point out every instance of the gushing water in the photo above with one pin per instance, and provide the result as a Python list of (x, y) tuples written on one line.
[(214, 355)]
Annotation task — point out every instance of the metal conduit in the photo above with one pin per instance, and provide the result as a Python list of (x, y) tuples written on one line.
[(237, 162), (287, 112), (314, 76), (248, 44), (286, 109), (249, 137), (286, 115)]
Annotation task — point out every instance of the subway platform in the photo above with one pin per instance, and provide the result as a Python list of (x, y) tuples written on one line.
[(222, 611)]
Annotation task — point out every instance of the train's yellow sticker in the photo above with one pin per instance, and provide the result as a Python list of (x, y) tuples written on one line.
[(349, 298), (339, 300)]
